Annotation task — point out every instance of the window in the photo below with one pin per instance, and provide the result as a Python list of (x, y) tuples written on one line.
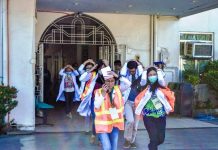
[(1, 41), (196, 49), (204, 37), (194, 37)]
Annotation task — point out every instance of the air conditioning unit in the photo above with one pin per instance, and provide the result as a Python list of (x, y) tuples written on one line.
[(198, 50)]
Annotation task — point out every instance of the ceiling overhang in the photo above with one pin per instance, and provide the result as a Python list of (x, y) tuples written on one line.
[(178, 8)]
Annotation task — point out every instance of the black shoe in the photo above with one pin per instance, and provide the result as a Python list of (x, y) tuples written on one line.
[(133, 145)]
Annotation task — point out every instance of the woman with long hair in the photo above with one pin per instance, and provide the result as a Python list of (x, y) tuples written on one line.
[(109, 109), (153, 104)]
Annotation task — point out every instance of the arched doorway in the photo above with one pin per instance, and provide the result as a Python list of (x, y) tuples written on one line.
[(70, 39)]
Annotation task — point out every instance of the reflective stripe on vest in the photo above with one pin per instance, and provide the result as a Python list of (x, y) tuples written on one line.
[(107, 112), (88, 85), (109, 122), (120, 110)]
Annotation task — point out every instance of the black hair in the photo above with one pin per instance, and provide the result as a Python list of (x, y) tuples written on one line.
[(132, 64), (155, 85), (100, 63), (117, 62), (89, 63)]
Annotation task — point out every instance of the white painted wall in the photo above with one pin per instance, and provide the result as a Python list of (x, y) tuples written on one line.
[(202, 22), (132, 30), (168, 37), (21, 50)]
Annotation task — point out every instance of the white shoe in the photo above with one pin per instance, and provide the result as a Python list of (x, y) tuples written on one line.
[(70, 115)]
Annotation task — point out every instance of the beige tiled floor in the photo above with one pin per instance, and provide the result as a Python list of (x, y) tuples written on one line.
[(61, 123)]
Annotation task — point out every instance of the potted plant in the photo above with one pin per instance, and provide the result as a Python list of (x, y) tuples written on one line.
[(7, 103)]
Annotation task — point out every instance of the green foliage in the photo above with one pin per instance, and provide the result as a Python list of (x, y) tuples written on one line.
[(211, 74), (7, 101), (202, 66), (212, 65), (190, 74), (193, 79)]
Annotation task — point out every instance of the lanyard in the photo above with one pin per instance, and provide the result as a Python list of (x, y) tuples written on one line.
[(111, 97)]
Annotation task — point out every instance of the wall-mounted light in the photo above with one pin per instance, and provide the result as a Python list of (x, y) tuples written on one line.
[(78, 14), (130, 6)]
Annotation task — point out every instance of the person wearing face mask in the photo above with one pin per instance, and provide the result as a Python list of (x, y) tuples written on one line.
[(86, 66), (68, 90), (153, 104), (93, 80)]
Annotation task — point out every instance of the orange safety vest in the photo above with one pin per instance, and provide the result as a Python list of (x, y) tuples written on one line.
[(103, 120), (167, 93), (88, 85)]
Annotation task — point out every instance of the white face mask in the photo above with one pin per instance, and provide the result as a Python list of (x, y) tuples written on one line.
[(152, 79), (68, 73)]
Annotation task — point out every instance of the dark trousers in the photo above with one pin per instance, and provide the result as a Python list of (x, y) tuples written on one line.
[(68, 101), (93, 117), (156, 130)]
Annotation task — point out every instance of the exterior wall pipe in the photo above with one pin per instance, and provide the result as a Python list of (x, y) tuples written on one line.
[(8, 45), (155, 57), (5, 42), (2, 48), (151, 40)]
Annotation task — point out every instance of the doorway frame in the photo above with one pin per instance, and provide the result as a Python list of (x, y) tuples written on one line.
[(100, 35)]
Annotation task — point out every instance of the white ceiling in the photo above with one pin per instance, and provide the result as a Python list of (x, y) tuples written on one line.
[(179, 8)]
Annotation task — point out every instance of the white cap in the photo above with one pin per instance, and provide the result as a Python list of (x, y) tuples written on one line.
[(105, 73)]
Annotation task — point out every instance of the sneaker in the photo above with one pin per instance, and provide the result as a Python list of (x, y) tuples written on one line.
[(126, 144), (133, 145), (69, 115), (92, 139)]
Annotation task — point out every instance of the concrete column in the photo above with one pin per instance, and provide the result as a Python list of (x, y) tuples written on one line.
[(21, 26)]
